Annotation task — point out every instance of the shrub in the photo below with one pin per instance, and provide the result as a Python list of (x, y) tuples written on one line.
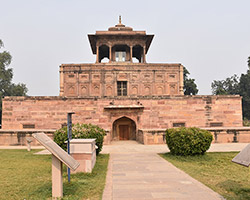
[(246, 122), (188, 141), (81, 131)]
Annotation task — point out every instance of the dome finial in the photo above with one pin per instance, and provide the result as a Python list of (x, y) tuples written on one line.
[(120, 19)]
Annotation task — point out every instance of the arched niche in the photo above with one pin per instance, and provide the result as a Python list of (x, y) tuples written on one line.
[(120, 53), (103, 53), (137, 53), (124, 128)]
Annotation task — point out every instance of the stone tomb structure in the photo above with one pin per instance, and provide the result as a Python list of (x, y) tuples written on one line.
[(122, 93)]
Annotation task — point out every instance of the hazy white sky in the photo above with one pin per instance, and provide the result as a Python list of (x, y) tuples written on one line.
[(211, 38)]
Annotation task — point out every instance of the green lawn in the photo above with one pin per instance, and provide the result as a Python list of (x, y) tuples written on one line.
[(217, 172), (24, 175)]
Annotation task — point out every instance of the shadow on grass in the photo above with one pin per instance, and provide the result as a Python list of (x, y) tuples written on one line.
[(194, 158), (42, 192), (236, 188)]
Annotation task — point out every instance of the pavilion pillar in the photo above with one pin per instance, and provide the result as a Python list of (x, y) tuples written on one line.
[(144, 54), (97, 54), (110, 53), (131, 53)]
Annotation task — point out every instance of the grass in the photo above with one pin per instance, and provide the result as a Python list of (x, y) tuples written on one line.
[(217, 172), (28, 176)]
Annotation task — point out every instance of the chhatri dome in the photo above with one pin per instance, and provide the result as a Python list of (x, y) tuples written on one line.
[(120, 26)]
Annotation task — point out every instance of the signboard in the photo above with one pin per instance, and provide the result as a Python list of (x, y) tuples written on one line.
[(243, 158), (56, 150)]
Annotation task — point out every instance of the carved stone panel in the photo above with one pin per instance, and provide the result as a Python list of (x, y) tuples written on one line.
[(83, 77), (71, 77), (159, 89), (159, 76), (95, 90), (96, 77), (109, 77), (71, 90), (84, 90), (109, 90), (147, 77), (134, 77), (134, 90), (173, 88), (147, 90), (172, 77), (122, 77)]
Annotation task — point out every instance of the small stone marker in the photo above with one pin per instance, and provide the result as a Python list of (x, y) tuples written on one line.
[(59, 156), (243, 158), (29, 140)]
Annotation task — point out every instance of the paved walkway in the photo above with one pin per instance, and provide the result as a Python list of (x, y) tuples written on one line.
[(136, 172)]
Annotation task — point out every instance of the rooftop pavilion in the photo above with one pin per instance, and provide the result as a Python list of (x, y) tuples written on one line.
[(120, 44)]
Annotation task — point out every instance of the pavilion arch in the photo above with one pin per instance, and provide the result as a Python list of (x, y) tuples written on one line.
[(123, 128), (120, 53), (138, 52), (103, 52)]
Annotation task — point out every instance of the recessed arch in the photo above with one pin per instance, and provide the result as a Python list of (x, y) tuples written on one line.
[(121, 53), (137, 52), (104, 53), (124, 128)]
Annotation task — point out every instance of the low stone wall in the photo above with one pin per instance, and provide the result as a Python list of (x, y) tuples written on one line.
[(147, 136), (230, 134), (143, 136), (19, 137)]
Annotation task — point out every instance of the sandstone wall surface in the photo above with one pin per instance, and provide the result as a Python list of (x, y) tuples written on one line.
[(88, 80), (147, 112)]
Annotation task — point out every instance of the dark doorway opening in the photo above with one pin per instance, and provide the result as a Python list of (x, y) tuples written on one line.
[(124, 129)]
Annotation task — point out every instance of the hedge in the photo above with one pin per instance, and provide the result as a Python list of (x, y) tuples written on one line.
[(188, 141), (81, 131)]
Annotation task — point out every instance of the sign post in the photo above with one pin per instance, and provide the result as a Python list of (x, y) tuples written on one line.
[(69, 131), (59, 156), (243, 158)]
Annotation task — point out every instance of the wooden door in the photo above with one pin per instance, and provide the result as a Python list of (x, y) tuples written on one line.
[(123, 132)]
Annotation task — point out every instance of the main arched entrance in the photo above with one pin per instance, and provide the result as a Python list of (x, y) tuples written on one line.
[(124, 129)]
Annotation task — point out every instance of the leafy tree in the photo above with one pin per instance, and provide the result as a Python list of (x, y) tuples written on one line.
[(248, 62), (245, 91), (7, 88), (229, 86), (190, 87), (235, 85)]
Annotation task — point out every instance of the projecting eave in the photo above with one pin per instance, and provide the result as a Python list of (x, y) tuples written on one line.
[(124, 107), (93, 38)]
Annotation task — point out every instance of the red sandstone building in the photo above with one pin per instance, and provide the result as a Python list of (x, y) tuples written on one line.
[(128, 97)]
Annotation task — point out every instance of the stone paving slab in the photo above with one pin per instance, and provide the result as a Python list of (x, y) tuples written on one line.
[(133, 146), (137, 172)]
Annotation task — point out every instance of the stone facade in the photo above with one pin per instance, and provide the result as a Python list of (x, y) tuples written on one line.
[(129, 98), (100, 80), (147, 113)]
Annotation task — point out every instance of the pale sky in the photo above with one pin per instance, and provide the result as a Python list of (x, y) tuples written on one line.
[(211, 38)]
